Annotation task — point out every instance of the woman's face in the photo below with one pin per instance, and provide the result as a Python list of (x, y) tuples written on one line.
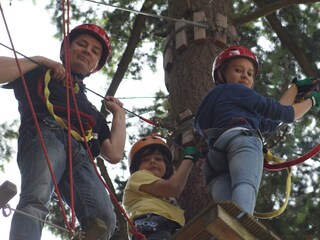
[(240, 70), (155, 163)]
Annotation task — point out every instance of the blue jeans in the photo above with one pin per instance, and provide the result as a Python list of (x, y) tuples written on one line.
[(237, 169), (91, 200)]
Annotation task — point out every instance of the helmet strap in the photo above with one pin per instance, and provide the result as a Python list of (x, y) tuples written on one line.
[(221, 77)]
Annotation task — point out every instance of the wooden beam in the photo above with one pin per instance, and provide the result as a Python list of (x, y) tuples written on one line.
[(224, 221), (93, 231), (181, 36), (223, 226), (7, 191), (198, 32)]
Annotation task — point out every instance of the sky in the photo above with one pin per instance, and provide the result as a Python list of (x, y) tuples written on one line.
[(32, 33)]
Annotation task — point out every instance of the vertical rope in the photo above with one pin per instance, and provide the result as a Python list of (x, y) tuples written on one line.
[(69, 85)]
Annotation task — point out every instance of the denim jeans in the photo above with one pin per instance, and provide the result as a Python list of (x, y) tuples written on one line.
[(238, 169), (91, 200)]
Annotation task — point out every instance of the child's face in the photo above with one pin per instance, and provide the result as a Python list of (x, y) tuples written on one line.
[(240, 70), (155, 163)]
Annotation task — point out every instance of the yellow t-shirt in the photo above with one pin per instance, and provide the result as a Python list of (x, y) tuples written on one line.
[(137, 203)]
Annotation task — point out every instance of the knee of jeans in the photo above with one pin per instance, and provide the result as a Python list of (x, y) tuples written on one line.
[(253, 185)]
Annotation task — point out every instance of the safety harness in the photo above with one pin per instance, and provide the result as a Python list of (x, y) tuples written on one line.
[(59, 112)]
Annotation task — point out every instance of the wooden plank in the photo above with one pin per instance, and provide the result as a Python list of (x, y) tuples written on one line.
[(199, 32), (223, 226), (224, 221), (168, 55), (181, 36), (7, 191), (95, 230)]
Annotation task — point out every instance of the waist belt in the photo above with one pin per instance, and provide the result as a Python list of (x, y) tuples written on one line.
[(215, 133), (152, 223)]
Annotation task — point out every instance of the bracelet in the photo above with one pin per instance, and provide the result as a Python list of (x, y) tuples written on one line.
[(189, 157), (313, 100)]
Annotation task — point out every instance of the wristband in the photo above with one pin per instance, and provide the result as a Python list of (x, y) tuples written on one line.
[(190, 153), (313, 100)]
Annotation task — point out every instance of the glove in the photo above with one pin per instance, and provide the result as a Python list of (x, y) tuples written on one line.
[(315, 97), (191, 153), (306, 84)]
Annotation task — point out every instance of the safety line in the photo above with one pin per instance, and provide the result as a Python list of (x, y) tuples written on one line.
[(198, 24), (66, 48), (34, 217)]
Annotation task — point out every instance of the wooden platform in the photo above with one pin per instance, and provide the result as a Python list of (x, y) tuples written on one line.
[(224, 221)]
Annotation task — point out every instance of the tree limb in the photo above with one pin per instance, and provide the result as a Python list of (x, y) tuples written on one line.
[(268, 9), (127, 56), (287, 41)]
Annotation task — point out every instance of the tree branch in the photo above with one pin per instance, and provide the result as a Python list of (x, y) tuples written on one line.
[(268, 9), (288, 42), (127, 56)]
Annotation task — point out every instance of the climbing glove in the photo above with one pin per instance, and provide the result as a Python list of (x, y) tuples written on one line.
[(306, 84), (191, 153), (315, 97)]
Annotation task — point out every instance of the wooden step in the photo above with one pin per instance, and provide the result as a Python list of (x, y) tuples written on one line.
[(94, 231), (224, 221), (7, 191)]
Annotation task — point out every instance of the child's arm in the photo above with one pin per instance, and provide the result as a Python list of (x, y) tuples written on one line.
[(289, 95), (173, 186)]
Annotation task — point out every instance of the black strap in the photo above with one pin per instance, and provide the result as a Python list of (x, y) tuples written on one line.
[(215, 133)]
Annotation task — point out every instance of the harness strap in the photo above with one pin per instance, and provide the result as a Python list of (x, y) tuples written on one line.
[(61, 121), (215, 133)]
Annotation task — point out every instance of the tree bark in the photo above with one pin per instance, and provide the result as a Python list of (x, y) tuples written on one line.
[(189, 80)]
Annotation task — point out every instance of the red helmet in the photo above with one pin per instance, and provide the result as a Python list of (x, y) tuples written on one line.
[(142, 144), (98, 33), (229, 53)]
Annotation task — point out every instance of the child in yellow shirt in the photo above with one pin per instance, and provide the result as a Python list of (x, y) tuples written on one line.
[(149, 194)]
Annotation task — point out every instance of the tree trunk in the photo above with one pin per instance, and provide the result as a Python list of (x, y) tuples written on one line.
[(188, 77)]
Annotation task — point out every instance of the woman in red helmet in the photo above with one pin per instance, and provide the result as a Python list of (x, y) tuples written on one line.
[(231, 118), (149, 194), (89, 47)]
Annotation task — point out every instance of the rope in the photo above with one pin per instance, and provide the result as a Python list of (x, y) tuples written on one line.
[(66, 30), (269, 158), (31, 216), (198, 24), (280, 165)]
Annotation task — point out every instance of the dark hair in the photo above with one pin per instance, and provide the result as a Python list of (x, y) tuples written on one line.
[(148, 151)]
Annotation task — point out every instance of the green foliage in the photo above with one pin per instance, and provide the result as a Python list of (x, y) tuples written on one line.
[(7, 133)]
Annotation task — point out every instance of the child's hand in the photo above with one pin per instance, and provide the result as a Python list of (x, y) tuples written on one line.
[(306, 84), (191, 153), (315, 97)]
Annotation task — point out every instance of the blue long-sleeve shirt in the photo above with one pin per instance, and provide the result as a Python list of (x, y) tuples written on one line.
[(235, 105)]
